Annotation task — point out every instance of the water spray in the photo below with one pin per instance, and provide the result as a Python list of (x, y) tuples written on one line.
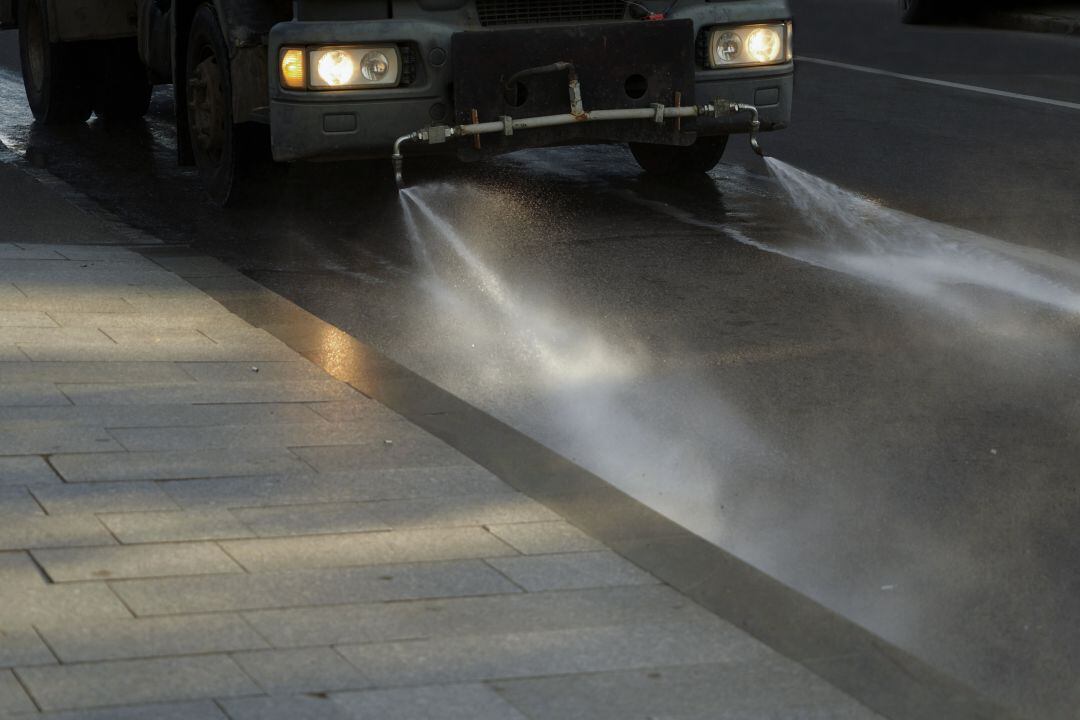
[(507, 126)]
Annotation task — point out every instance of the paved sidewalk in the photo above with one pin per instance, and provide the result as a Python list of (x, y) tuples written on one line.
[(196, 522)]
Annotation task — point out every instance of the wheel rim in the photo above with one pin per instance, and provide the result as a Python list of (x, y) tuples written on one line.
[(35, 49), (206, 109)]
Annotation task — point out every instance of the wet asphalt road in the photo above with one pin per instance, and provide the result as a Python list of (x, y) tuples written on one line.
[(879, 410)]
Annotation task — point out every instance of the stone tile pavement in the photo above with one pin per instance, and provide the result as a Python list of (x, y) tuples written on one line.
[(197, 523)]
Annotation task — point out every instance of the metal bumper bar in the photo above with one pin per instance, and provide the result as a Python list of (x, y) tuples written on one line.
[(508, 126)]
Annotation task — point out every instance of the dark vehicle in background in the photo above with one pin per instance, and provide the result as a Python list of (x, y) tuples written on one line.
[(919, 11), (336, 79)]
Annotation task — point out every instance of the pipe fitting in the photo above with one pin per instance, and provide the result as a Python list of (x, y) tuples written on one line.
[(399, 159), (755, 124)]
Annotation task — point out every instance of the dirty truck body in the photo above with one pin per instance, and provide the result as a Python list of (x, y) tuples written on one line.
[(335, 79)]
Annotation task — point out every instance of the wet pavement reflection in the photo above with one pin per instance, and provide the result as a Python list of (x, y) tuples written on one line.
[(886, 427)]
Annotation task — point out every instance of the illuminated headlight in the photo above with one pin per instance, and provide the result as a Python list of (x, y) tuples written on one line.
[(354, 67), (750, 45)]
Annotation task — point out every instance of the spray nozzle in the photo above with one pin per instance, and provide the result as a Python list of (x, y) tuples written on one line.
[(755, 120)]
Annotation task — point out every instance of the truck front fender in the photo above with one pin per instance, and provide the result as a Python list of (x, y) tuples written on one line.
[(246, 25)]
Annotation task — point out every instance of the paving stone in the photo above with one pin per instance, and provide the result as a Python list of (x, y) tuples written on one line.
[(451, 702), (571, 571), (197, 392), (103, 278), (92, 372), (93, 252), (150, 527), (244, 336), (376, 454), (336, 487), (17, 569), (19, 532), (116, 467), (251, 436), (375, 548), (25, 318), (88, 271), (120, 497), (31, 394), (13, 698), (541, 538), (45, 438), (266, 491), (551, 652), (300, 369), (150, 637), (310, 587), (68, 302), (22, 646), (10, 292), (290, 707), (353, 410), (133, 561), (15, 502), (771, 689), (370, 622), (10, 251), (205, 710), (482, 509), (142, 353), (137, 681), (83, 602), (67, 337), (123, 416), (331, 518), (300, 670), (183, 337), (146, 321), (11, 353), (190, 301)]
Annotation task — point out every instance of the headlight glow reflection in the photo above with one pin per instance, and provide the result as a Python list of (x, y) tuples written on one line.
[(354, 67), (764, 45), (749, 45), (336, 68)]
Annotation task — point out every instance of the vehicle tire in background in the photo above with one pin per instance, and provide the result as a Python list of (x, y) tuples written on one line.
[(699, 158), (55, 74), (123, 92), (914, 12), (226, 153)]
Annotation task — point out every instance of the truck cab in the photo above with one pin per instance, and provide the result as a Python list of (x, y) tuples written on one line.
[(334, 79)]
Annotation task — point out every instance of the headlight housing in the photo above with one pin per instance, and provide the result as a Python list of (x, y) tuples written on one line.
[(343, 67), (749, 45)]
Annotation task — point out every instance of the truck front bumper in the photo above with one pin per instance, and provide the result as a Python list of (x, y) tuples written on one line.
[(321, 125)]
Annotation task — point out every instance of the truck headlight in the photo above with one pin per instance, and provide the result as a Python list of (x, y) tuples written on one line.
[(750, 45), (352, 67)]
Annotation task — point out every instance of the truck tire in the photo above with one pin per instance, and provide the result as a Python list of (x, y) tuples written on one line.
[(55, 74), (696, 159), (123, 93), (914, 12), (225, 151)]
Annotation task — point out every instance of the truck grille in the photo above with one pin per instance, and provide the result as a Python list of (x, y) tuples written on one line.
[(530, 12)]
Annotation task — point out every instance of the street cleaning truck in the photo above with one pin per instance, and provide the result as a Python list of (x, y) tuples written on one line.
[(316, 80)]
